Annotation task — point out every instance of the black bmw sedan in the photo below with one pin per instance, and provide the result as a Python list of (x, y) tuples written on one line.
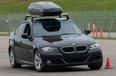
[(50, 42)]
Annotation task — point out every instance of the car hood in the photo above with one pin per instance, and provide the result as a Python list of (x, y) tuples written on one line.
[(64, 40)]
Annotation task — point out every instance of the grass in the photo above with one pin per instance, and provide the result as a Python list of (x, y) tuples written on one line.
[(18, 6), (101, 12), (4, 35)]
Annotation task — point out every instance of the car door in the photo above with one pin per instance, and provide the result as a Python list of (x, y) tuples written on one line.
[(27, 46), (18, 41)]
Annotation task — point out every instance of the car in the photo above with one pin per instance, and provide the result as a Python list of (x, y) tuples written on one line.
[(45, 42)]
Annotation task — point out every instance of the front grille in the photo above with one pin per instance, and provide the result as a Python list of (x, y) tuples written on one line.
[(76, 60), (80, 48), (57, 62), (68, 49), (94, 58), (72, 48)]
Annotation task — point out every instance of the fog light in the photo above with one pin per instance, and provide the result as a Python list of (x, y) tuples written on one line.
[(48, 61)]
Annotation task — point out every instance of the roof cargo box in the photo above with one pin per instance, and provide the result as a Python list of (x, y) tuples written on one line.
[(44, 9)]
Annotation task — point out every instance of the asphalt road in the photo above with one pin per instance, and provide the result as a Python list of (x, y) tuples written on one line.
[(108, 46)]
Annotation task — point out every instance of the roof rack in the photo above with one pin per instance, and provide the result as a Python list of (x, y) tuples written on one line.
[(30, 16), (37, 16), (64, 14)]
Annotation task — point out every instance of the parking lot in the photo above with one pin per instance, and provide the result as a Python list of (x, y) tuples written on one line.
[(108, 47)]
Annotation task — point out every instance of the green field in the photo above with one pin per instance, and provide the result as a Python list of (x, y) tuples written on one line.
[(101, 12), (18, 6)]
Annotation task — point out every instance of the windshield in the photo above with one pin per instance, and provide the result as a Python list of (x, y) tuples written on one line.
[(55, 27)]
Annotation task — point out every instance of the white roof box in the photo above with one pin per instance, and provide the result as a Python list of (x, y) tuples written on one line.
[(44, 9)]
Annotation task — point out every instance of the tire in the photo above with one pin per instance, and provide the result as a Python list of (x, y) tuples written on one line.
[(97, 65), (38, 64), (12, 59)]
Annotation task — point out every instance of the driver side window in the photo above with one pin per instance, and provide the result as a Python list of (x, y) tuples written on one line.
[(27, 30), (20, 29)]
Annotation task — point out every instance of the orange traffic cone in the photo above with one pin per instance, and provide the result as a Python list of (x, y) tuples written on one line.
[(96, 31), (108, 65), (93, 30), (101, 34), (88, 26)]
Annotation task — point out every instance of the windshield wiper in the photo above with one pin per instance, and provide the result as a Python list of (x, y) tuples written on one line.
[(47, 35), (68, 34)]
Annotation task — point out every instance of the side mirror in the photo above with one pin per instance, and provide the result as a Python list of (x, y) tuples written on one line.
[(25, 36), (87, 31)]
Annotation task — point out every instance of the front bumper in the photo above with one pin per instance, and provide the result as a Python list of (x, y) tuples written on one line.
[(59, 60)]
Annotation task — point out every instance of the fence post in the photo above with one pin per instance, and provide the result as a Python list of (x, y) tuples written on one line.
[(8, 21), (85, 18), (110, 28)]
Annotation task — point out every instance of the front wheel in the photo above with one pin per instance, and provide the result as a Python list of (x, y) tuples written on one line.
[(39, 66), (12, 59)]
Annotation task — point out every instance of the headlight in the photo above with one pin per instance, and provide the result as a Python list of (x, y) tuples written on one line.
[(94, 46), (50, 50)]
